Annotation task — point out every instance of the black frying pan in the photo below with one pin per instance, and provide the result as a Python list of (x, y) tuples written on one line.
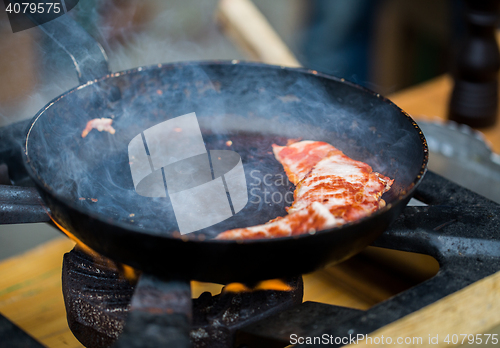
[(251, 105)]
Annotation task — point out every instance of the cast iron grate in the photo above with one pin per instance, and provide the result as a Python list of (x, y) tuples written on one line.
[(458, 228), (98, 302)]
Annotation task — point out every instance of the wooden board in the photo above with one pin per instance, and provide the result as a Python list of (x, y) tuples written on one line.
[(31, 296), (471, 310)]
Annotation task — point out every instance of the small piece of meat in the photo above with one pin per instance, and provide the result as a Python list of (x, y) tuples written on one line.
[(101, 124), (313, 218), (300, 157)]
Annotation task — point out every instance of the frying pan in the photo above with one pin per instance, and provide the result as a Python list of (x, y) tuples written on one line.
[(245, 107)]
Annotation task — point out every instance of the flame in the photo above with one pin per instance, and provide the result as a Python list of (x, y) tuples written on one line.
[(271, 284), (132, 274), (125, 271), (128, 272), (71, 236), (236, 287)]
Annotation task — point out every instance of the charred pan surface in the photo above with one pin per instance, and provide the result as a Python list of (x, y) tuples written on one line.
[(99, 303)]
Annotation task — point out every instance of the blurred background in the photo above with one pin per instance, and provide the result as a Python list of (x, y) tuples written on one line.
[(385, 45)]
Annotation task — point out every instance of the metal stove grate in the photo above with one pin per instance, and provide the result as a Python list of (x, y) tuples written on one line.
[(458, 228)]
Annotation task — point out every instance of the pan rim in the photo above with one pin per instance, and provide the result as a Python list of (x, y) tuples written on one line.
[(40, 183)]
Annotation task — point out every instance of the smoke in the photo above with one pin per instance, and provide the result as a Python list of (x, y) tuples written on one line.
[(133, 33), (240, 108)]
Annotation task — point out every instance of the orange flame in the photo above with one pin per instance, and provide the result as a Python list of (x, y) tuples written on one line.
[(125, 271), (271, 284), (236, 287), (132, 274)]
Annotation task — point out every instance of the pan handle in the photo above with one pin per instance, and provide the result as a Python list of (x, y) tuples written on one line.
[(24, 204), (21, 205), (88, 56)]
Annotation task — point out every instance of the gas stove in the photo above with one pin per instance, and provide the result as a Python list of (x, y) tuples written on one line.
[(456, 226), (102, 306)]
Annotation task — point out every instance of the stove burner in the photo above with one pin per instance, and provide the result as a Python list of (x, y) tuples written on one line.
[(96, 298), (98, 302), (459, 229)]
